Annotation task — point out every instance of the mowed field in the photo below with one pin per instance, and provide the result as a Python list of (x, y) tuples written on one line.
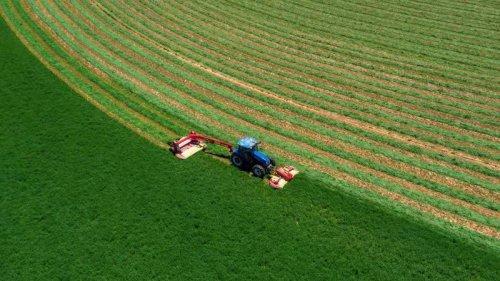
[(81, 196), (392, 101)]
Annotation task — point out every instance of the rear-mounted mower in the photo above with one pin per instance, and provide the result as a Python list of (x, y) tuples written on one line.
[(246, 156)]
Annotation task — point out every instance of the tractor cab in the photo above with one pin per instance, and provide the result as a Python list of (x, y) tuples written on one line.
[(247, 156)]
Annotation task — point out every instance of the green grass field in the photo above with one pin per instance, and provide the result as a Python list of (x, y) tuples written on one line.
[(396, 133), (83, 197)]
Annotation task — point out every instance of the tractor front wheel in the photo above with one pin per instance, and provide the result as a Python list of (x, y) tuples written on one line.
[(258, 171), (236, 160)]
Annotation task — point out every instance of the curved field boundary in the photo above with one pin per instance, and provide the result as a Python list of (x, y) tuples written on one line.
[(161, 88), (235, 93)]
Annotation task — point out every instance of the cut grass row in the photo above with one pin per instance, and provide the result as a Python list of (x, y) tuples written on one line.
[(406, 46), (127, 31), (191, 93), (416, 69), (136, 74), (270, 37), (395, 29), (409, 20), (206, 90), (162, 42), (405, 121)]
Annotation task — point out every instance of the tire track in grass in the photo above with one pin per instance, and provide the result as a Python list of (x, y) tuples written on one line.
[(325, 91), (160, 59), (236, 120), (147, 39)]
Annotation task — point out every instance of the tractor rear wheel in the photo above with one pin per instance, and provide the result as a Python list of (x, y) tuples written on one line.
[(258, 171), (236, 160)]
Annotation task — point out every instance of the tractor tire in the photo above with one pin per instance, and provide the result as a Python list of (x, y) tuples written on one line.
[(258, 171), (273, 163), (237, 160)]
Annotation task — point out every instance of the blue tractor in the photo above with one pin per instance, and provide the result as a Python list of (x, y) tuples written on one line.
[(247, 156)]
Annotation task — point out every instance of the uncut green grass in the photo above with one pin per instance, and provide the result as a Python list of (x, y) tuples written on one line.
[(83, 197)]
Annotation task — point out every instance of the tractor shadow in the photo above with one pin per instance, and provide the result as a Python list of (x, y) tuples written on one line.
[(218, 154)]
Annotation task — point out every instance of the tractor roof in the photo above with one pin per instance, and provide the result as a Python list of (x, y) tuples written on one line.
[(247, 142)]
